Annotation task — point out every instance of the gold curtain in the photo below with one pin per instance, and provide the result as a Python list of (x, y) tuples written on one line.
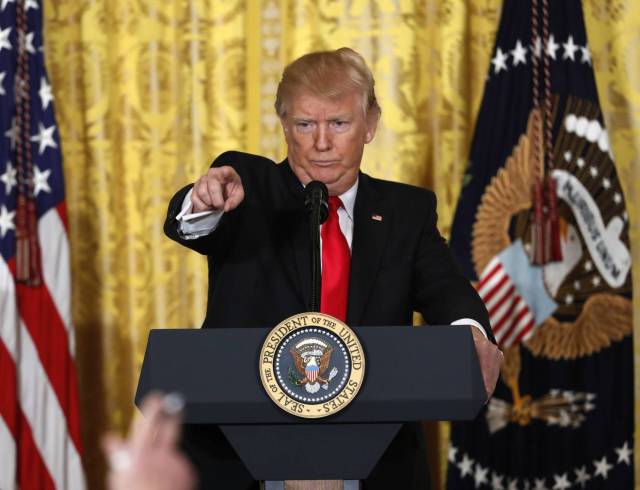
[(148, 92), (613, 29)]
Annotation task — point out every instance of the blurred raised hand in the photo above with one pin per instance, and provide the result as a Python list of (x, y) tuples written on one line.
[(149, 458)]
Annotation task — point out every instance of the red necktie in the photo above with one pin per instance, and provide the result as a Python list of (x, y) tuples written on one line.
[(336, 261)]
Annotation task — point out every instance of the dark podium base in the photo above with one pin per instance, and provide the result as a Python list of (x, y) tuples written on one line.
[(347, 454)]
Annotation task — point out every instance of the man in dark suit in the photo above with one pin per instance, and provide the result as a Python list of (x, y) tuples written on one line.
[(247, 215)]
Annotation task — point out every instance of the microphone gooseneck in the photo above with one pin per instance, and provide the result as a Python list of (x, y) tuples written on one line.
[(316, 198)]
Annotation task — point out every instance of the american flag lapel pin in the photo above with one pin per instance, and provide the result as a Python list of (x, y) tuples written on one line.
[(376, 217)]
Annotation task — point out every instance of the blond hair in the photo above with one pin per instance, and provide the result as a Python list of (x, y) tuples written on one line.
[(330, 75)]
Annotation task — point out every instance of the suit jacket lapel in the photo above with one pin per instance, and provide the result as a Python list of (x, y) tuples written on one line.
[(372, 219), (299, 242)]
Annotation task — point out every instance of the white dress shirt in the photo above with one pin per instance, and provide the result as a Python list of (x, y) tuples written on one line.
[(195, 225)]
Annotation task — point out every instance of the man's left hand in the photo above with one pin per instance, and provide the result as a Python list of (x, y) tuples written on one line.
[(490, 359)]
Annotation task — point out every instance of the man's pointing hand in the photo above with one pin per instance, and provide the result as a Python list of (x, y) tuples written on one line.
[(219, 189)]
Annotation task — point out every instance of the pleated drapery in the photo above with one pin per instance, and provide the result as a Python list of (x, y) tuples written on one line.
[(149, 92)]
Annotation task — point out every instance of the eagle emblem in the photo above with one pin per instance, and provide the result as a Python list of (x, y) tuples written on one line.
[(568, 309), (300, 358), (311, 358)]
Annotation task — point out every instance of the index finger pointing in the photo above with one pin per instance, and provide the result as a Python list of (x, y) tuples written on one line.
[(228, 174), (234, 197)]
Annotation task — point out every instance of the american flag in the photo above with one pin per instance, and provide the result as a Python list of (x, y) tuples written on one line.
[(40, 445)]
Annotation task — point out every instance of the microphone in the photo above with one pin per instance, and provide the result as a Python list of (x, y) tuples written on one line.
[(316, 198)]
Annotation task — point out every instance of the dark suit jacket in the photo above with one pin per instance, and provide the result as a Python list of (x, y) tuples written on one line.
[(260, 270)]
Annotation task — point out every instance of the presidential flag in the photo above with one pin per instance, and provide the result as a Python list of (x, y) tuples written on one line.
[(40, 445), (542, 229)]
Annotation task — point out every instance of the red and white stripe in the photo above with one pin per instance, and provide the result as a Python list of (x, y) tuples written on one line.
[(312, 374), (9, 325), (40, 445), (511, 319)]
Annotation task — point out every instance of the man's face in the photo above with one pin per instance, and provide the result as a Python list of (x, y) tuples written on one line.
[(326, 138)]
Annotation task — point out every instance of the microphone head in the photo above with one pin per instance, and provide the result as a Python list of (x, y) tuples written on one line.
[(316, 196)]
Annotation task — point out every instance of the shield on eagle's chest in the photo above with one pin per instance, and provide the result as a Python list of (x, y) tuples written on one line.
[(311, 372)]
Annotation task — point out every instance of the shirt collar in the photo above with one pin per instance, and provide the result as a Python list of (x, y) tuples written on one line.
[(349, 199)]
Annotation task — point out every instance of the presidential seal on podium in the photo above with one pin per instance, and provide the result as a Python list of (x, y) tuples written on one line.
[(312, 365)]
